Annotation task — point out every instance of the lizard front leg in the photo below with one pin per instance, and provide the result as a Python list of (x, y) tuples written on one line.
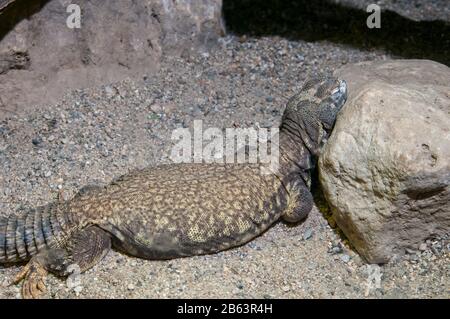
[(83, 250), (300, 201)]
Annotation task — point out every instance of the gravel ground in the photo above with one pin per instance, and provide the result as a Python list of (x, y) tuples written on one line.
[(97, 134)]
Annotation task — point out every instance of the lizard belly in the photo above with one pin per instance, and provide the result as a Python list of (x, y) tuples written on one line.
[(188, 210), (187, 239)]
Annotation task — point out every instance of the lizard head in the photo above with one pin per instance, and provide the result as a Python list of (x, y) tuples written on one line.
[(310, 115)]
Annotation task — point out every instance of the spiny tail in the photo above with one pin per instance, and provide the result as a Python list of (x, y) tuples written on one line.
[(23, 236)]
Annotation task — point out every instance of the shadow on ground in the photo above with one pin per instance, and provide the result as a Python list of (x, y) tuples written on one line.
[(16, 12), (323, 20)]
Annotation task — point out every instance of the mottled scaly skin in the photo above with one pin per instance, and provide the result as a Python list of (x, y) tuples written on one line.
[(177, 210), (187, 209)]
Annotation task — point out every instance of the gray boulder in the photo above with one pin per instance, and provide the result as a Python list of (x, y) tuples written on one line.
[(386, 168), (41, 57)]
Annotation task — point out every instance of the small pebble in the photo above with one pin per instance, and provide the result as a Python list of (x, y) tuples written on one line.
[(110, 92), (307, 234), (345, 258), (156, 108), (78, 290), (336, 250), (300, 57), (37, 141)]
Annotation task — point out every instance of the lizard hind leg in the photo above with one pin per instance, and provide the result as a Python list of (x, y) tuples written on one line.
[(82, 251), (300, 202)]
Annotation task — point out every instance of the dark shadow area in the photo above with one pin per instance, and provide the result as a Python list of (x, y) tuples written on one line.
[(322, 20), (319, 197), (16, 12), (323, 207)]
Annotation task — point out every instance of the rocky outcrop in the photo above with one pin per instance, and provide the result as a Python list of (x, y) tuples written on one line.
[(386, 168), (187, 22), (41, 57)]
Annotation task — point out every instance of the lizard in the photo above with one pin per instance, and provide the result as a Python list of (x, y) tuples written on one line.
[(179, 209)]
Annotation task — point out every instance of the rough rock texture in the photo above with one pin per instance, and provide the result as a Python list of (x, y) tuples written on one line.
[(386, 168), (41, 57), (190, 21)]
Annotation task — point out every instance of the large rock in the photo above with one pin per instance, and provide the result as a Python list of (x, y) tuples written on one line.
[(41, 57), (386, 168)]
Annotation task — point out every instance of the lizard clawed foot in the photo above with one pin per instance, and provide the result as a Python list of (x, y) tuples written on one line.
[(33, 275)]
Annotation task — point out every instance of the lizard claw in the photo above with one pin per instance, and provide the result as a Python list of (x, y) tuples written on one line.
[(33, 275), (20, 276)]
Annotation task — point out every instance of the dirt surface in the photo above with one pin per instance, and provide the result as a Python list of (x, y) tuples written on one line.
[(97, 134)]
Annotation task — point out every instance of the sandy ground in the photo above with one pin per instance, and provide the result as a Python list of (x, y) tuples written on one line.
[(97, 134)]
